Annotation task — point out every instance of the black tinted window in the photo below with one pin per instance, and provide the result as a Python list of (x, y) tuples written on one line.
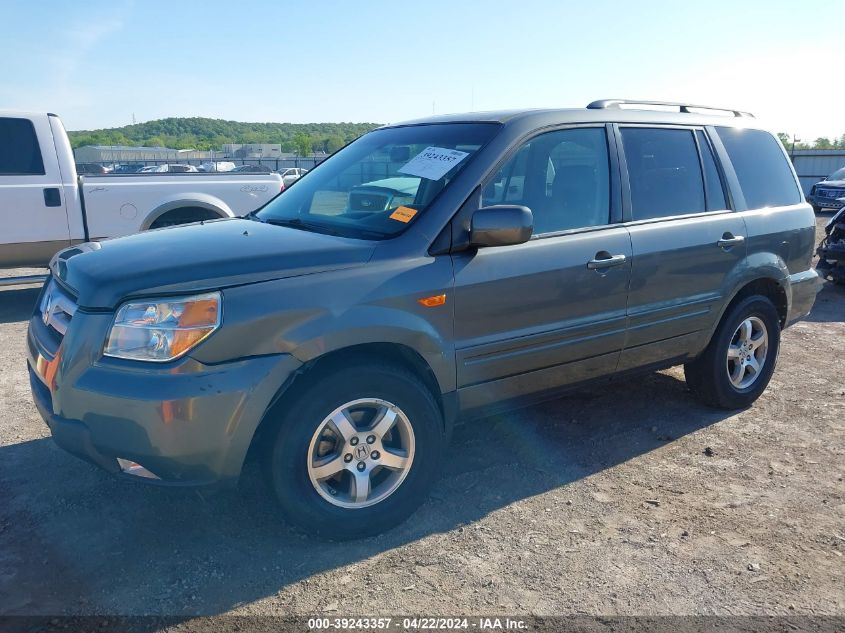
[(561, 176), (713, 184), (664, 172), (761, 167), (19, 151)]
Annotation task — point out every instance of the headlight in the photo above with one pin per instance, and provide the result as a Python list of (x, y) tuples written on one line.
[(159, 330)]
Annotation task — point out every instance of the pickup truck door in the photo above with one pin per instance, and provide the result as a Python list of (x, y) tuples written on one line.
[(550, 312), (33, 212)]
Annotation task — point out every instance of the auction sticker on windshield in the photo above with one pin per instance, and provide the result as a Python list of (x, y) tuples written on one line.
[(433, 162), (403, 214)]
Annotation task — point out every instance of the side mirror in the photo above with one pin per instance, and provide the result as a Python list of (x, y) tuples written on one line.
[(501, 225)]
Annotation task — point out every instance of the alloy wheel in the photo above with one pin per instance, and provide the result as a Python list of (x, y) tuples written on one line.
[(747, 352), (361, 453)]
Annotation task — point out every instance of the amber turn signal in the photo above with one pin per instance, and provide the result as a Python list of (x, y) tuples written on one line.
[(433, 301)]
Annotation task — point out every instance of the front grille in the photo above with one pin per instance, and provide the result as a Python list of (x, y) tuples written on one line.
[(833, 194), (367, 201), (57, 308)]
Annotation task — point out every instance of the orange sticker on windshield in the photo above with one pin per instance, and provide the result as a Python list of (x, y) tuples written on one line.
[(403, 214)]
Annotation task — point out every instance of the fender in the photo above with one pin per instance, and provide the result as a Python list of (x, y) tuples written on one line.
[(374, 324), (754, 267), (182, 200)]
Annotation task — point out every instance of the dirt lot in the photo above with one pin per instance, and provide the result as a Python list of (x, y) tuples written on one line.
[(629, 499)]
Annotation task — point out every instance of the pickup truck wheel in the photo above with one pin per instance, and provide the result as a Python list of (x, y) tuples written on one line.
[(737, 365), (356, 452)]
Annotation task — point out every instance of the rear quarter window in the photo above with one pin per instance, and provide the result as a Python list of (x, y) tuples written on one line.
[(19, 151), (761, 167)]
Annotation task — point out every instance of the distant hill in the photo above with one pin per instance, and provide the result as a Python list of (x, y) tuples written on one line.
[(202, 133)]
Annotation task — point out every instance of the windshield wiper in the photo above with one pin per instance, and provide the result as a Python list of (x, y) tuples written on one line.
[(252, 215), (316, 227), (298, 223)]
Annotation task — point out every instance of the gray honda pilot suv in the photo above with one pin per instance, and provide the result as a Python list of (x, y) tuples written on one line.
[(531, 251)]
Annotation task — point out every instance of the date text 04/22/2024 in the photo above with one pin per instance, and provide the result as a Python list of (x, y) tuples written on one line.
[(418, 623)]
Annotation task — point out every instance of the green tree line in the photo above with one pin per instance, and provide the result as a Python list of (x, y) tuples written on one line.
[(206, 134), (823, 142)]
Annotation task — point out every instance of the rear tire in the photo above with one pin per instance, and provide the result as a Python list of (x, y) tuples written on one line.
[(748, 336), (308, 444)]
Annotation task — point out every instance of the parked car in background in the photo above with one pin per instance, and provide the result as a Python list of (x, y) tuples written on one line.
[(168, 169), (127, 168), (45, 206), (181, 169), (291, 174), (90, 168), (825, 195), (223, 165), (340, 346), (253, 169)]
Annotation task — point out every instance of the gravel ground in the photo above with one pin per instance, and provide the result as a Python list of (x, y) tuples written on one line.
[(626, 499)]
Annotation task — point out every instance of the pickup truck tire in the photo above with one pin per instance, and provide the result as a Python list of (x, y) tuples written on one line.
[(737, 365), (185, 215), (384, 414)]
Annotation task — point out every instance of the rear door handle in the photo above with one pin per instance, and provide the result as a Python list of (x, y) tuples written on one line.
[(603, 259), (729, 239)]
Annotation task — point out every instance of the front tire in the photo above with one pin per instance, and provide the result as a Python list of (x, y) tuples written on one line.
[(735, 368), (356, 451)]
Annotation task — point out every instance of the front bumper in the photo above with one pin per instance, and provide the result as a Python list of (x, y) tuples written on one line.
[(186, 422), (825, 202)]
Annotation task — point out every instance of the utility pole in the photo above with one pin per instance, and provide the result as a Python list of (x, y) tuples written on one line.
[(792, 151)]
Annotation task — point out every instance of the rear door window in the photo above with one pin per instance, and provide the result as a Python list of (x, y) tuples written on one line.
[(761, 167), (19, 151), (664, 172)]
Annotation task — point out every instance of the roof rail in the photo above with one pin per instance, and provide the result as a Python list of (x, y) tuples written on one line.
[(682, 107)]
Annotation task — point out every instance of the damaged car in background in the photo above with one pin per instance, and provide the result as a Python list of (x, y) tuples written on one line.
[(831, 250)]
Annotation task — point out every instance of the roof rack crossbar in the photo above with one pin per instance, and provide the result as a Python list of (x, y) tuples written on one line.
[(602, 104)]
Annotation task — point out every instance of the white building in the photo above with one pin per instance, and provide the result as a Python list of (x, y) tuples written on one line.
[(252, 150), (128, 153)]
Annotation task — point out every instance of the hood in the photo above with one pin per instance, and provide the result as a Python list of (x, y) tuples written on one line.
[(831, 183), (198, 257)]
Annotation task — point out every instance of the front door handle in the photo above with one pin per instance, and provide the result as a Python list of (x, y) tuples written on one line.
[(729, 240), (603, 259)]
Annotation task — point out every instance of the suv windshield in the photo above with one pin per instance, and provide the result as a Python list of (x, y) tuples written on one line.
[(839, 174), (377, 186)]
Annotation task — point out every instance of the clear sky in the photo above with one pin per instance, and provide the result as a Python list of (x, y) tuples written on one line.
[(97, 62)]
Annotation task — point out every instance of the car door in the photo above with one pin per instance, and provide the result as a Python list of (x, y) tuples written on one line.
[(32, 205), (686, 241), (535, 316)]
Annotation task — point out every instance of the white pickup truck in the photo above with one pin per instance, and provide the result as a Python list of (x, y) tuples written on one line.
[(45, 206)]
